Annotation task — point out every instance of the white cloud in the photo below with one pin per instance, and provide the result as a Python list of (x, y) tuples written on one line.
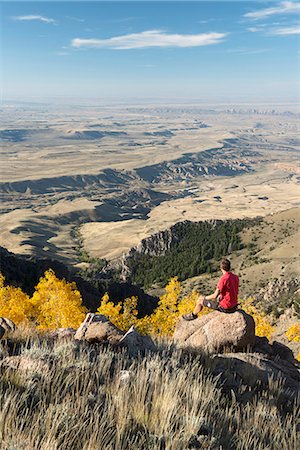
[(35, 17), (152, 38), (287, 31), (282, 8), (254, 29)]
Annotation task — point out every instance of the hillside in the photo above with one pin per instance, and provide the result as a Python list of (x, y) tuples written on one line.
[(185, 250), (271, 251), (261, 250)]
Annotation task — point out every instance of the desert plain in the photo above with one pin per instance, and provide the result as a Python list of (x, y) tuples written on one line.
[(115, 174)]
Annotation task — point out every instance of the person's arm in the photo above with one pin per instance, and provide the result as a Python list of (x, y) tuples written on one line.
[(211, 296)]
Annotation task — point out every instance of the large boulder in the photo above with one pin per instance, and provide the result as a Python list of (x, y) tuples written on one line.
[(6, 326), (97, 328), (216, 330), (254, 368), (136, 343)]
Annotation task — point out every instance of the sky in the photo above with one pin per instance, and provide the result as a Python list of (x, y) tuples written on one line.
[(199, 50)]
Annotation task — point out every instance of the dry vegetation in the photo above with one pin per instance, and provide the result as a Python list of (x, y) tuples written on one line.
[(72, 396)]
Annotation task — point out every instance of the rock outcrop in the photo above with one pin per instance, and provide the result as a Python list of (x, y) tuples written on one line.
[(216, 330), (25, 364), (280, 293), (96, 328), (158, 244), (253, 368), (6, 326), (137, 343)]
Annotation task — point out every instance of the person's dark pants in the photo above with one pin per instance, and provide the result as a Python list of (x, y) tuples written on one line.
[(214, 304)]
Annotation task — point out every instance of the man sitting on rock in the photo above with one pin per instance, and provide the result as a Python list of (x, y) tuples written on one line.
[(225, 296)]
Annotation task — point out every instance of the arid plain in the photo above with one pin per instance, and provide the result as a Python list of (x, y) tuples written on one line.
[(115, 174)]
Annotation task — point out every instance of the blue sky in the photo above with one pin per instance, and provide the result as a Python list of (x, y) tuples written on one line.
[(240, 50)]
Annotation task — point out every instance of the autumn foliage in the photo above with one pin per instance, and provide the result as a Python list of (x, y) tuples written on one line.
[(123, 315), (54, 304), (14, 303), (293, 333), (58, 304), (163, 319), (263, 326)]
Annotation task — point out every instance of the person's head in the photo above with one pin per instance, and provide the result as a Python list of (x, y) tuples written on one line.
[(225, 265)]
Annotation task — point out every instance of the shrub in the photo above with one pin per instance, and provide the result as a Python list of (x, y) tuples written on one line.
[(293, 333), (123, 315), (14, 303), (57, 303)]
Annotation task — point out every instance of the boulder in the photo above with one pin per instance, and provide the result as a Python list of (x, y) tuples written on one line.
[(216, 330), (252, 369), (6, 326), (273, 349), (97, 328), (25, 364), (136, 343)]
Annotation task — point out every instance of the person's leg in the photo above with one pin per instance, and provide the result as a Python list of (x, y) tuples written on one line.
[(212, 304), (198, 307)]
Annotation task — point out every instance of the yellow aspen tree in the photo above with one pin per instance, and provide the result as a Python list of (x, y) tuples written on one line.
[(57, 303), (123, 315), (14, 303), (163, 319), (109, 309)]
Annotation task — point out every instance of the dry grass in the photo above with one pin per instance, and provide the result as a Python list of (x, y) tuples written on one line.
[(88, 398)]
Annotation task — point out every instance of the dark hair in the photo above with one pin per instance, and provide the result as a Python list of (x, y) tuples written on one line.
[(225, 264)]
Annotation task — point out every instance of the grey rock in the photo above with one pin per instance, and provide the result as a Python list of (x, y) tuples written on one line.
[(216, 330), (63, 334), (253, 369), (97, 328), (136, 343), (6, 326), (278, 290)]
